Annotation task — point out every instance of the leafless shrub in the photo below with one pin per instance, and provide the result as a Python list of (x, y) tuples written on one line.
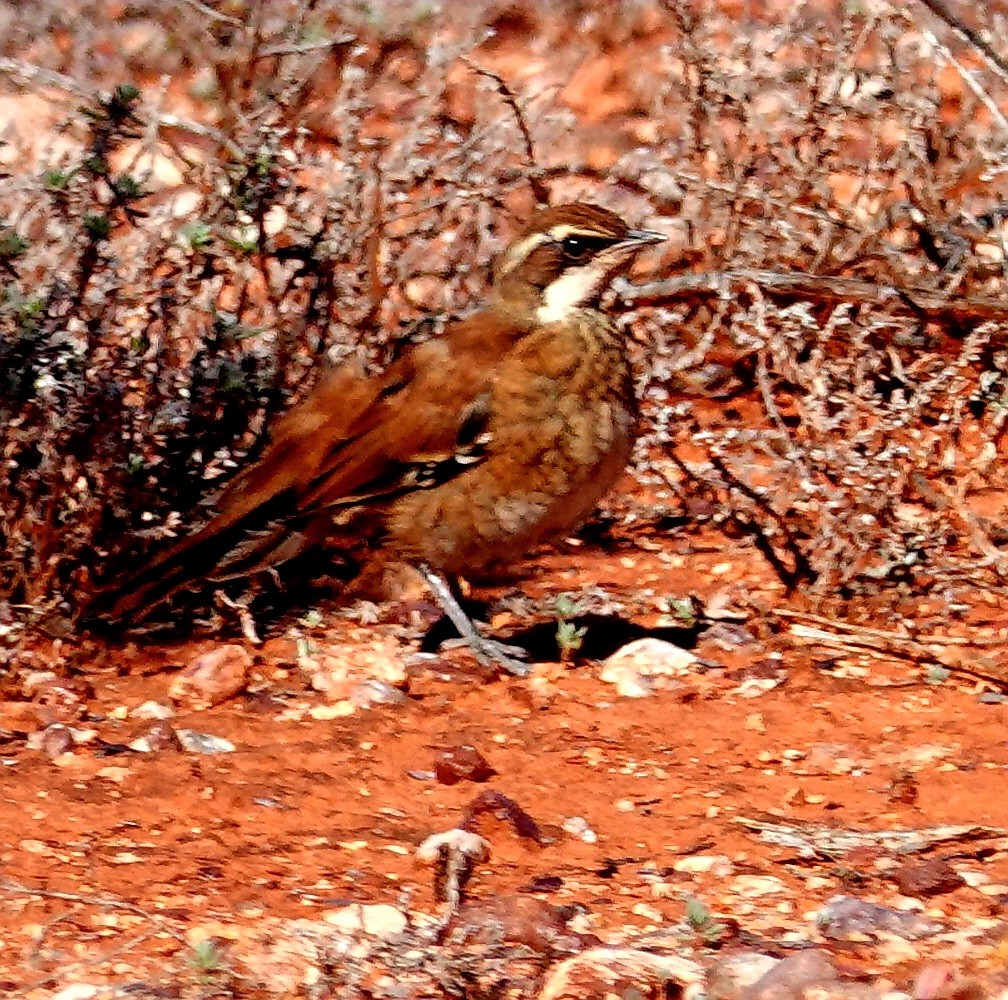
[(148, 339), (864, 453), (300, 182)]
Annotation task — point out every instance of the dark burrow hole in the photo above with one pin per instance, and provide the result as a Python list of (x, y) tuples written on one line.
[(604, 634)]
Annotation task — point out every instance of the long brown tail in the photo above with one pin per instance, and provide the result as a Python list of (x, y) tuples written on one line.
[(134, 597), (226, 550)]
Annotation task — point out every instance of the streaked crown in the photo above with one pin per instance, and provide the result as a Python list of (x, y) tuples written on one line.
[(565, 258)]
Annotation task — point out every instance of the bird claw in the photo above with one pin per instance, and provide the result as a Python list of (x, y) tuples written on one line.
[(493, 653), (489, 652)]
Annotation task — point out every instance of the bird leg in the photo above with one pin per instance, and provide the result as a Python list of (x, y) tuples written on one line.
[(245, 619), (489, 652)]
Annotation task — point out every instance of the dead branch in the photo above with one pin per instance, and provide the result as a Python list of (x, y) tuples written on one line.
[(791, 576), (507, 94), (88, 899), (27, 73), (814, 840), (919, 649), (941, 10), (922, 302)]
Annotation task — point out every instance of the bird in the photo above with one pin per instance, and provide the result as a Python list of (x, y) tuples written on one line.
[(465, 452)]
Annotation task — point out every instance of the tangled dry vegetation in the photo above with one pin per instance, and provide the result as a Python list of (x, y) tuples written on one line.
[(236, 194)]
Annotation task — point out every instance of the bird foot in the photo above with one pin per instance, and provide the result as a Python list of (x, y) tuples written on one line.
[(493, 653), (489, 652)]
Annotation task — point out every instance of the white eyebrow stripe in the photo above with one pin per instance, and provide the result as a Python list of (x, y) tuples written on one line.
[(564, 230), (520, 251)]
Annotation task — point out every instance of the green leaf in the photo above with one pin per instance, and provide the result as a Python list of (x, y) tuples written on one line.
[(567, 607), (11, 244), (56, 180), (197, 234), (681, 609), (569, 637), (98, 227)]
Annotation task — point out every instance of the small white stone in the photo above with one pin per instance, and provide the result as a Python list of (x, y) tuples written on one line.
[(757, 885), (974, 879), (378, 920), (648, 912), (651, 658), (702, 864), (153, 711), (78, 991)]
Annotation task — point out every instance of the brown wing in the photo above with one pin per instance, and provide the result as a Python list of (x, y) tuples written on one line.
[(355, 441)]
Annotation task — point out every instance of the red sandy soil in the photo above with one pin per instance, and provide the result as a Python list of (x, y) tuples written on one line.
[(116, 864), (308, 814)]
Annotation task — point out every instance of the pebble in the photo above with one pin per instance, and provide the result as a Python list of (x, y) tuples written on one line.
[(845, 918), (159, 737), (927, 878), (793, 977), (212, 678), (593, 972), (645, 665), (375, 692), (651, 658), (462, 763), (53, 741), (78, 991), (732, 974), (752, 886), (378, 920), (154, 711), (203, 743), (648, 912), (702, 864), (577, 826)]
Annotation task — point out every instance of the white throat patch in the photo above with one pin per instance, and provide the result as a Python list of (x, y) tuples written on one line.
[(569, 292)]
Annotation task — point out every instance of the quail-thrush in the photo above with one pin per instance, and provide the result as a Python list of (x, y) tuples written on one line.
[(470, 449)]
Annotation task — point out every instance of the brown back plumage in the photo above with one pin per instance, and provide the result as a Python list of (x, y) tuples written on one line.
[(334, 450), (338, 461)]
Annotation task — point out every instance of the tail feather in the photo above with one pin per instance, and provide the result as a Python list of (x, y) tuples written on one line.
[(214, 555), (132, 599)]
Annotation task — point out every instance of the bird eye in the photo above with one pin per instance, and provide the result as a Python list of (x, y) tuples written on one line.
[(575, 246), (580, 246)]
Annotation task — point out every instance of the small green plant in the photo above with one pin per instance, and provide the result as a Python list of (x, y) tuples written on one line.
[(197, 234), (245, 239), (26, 310), (206, 959), (12, 245), (312, 618), (57, 180), (681, 611), (306, 648), (569, 636), (227, 329), (98, 227), (703, 923), (126, 187)]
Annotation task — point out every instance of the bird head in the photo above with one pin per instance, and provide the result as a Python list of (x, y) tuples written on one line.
[(565, 258)]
